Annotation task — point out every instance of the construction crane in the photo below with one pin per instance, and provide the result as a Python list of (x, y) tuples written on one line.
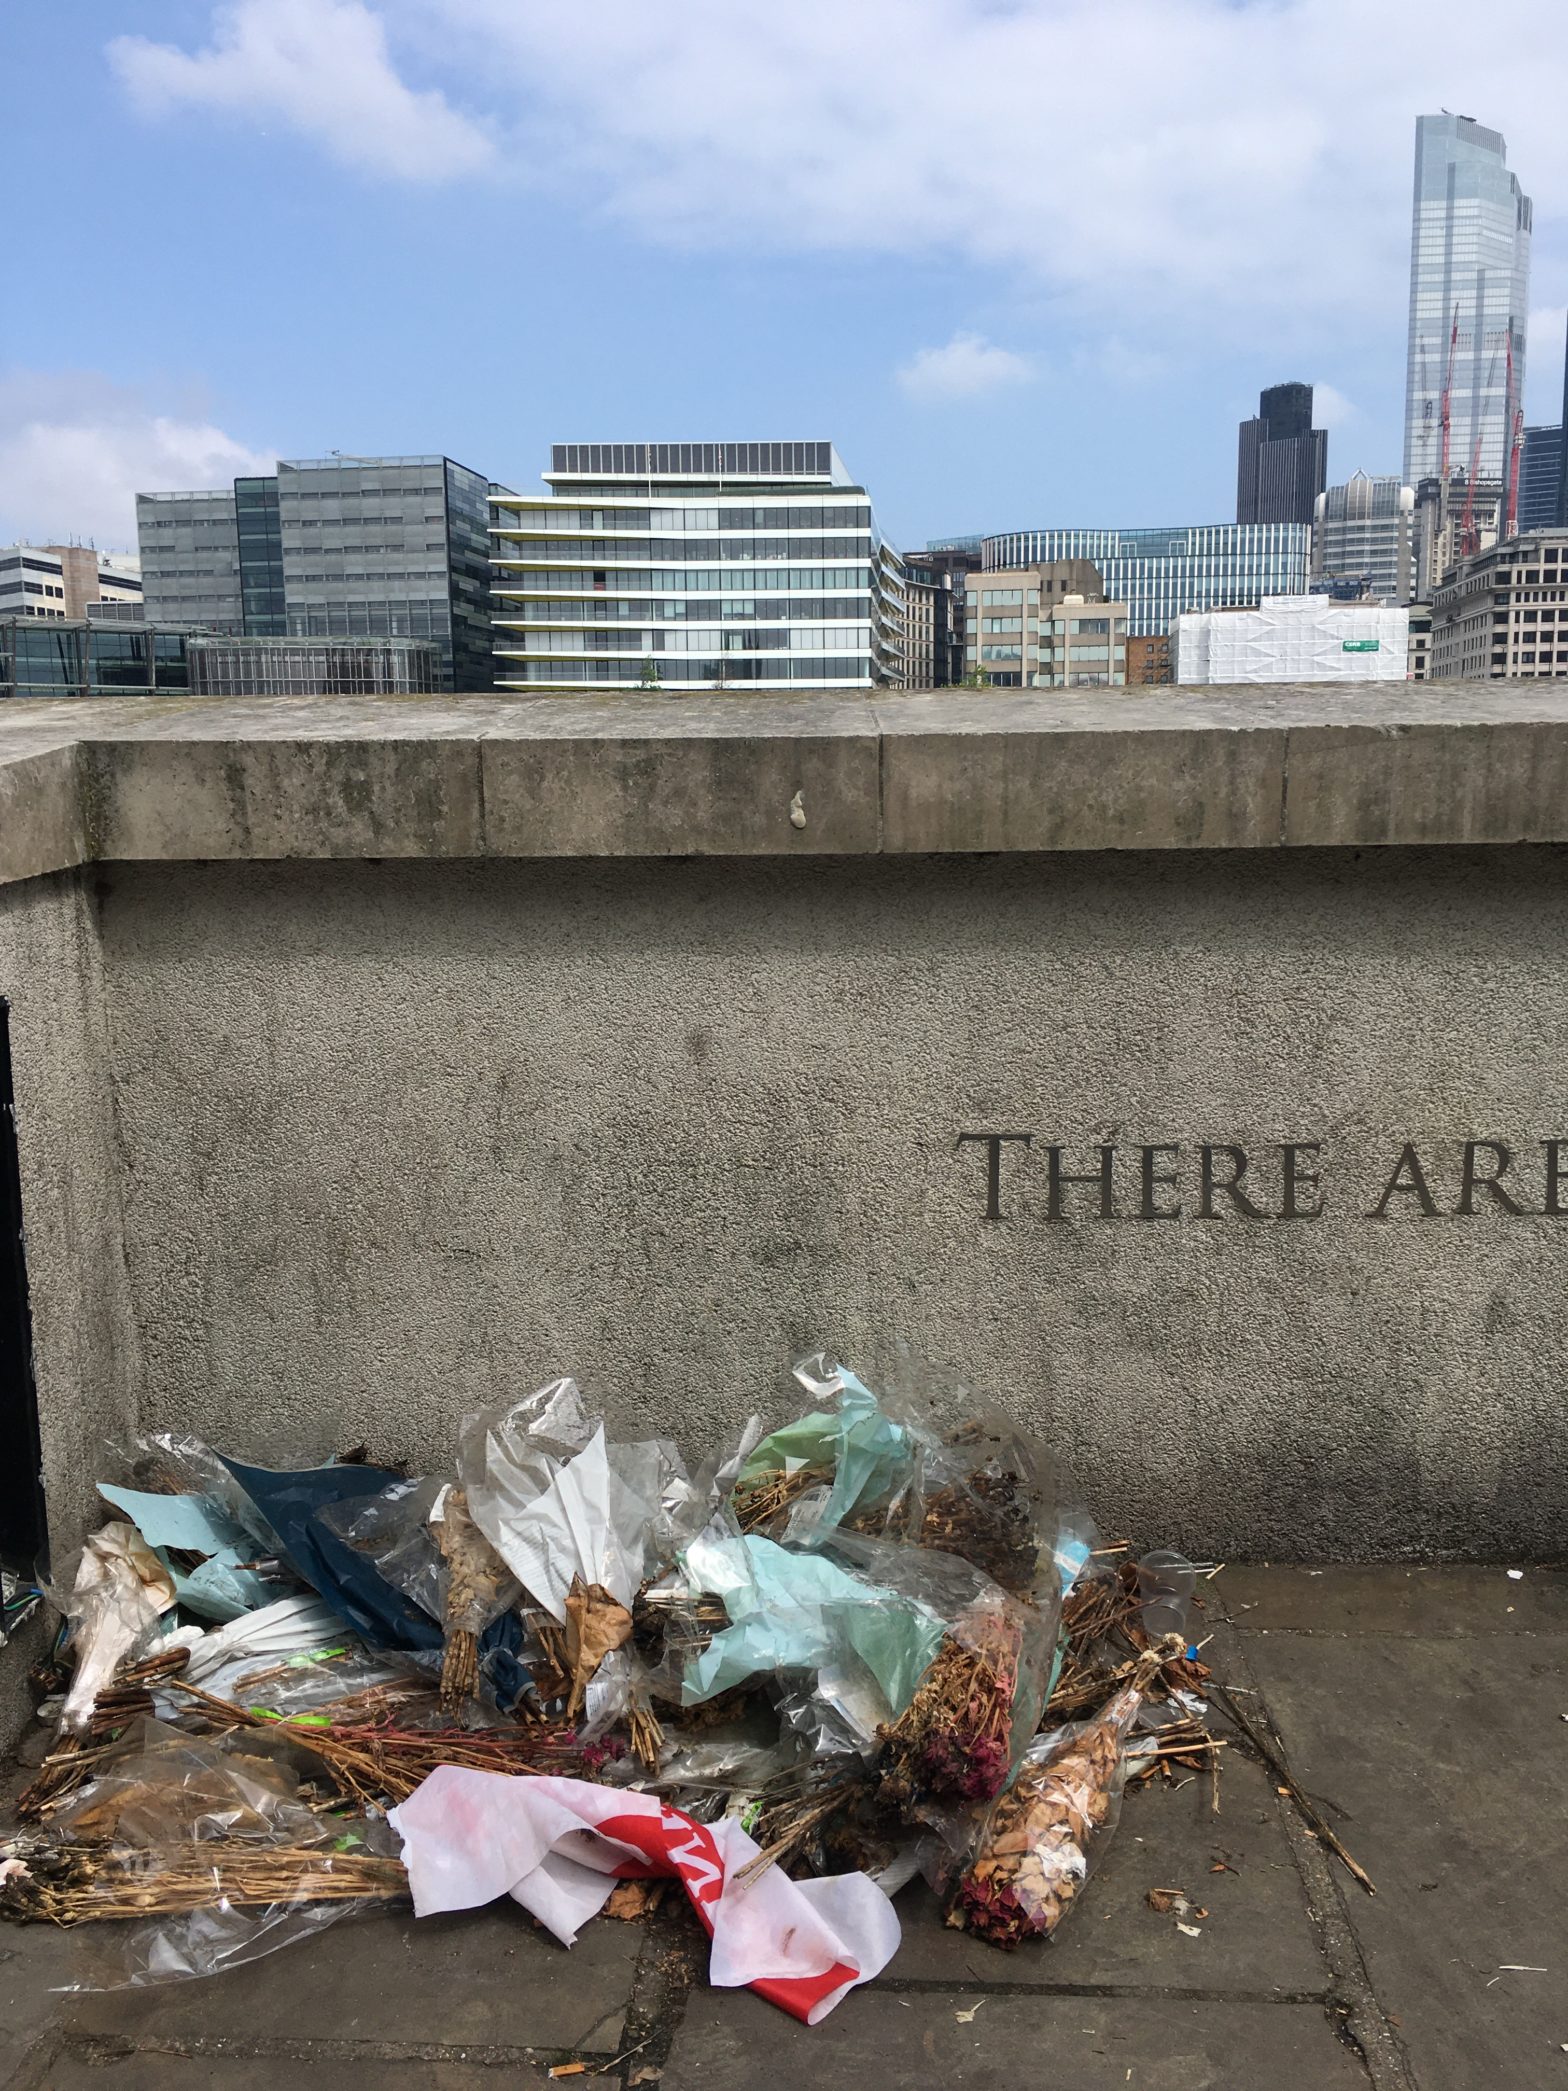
[(1448, 391), (1515, 410), (1469, 535)]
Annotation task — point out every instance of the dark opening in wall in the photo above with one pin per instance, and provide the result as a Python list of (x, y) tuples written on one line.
[(21, 1483)]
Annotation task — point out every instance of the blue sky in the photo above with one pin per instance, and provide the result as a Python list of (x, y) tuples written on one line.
[(1024, 261)]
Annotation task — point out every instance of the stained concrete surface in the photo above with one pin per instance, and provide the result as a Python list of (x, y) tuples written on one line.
[(1425, 1715), (1258, 767)]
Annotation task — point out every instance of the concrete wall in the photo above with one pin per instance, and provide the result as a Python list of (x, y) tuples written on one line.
[(404, 1138), (84, 1337)]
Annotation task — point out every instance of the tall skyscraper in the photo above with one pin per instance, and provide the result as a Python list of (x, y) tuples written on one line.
[(1281, 460), (1469, 299), (331, 548)]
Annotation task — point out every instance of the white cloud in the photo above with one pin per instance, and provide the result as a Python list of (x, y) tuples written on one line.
[(1330, 407), (1235, 193), (76, 449), (966, 367), (1233, 180), (322, 67)]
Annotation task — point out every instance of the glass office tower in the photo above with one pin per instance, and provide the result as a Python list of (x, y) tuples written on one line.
[(708, 564), (1282, 460), (1469, 299), (261, 557), (1160, 573), (1541, 478), (190, 556), (390, 547), (332, 548)]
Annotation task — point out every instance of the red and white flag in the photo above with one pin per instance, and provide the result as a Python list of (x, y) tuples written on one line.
[(558, 1846)]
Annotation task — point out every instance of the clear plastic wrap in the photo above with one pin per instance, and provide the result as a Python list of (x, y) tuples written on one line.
[(423, 1542), (175, 1462), (118, 1593), (960, 1737), (853, 1450), (1167, 1581), (506, 1457), (792, 1612), (1041, 1838), (366, 1578), (203, 1850), (289, 1626)]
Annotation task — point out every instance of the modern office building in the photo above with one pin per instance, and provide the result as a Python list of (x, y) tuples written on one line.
[(287, 665), (1294, 638), (190, 557), (753, 565), (1469, 301), (925, 657), (66, 581), (334, 547), (1364, 531), (948, 562), (76, 658), (84, 658), (1451, 524), (1541, 466), (1281, 459), (1504, 612), (1160, 573), (1045, 627)]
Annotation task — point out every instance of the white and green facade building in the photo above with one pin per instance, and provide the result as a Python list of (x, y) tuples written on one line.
[(694, 565)]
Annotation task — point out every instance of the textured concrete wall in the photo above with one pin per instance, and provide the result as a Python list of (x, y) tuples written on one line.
[(402, 1139), (84, 1341)]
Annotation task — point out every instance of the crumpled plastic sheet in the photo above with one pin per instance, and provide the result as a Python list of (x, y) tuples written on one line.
[(220, 1587), (558, 1846), (352, 1583), (869, 1454), (117, 1596), (219, 1794), (800, 1612)]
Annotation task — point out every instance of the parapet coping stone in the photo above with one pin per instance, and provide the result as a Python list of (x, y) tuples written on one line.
[(835, 773)]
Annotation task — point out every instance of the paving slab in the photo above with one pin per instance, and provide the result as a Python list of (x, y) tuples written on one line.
[(737, 2043), (1446, 1757), (486, 1977), (102, 2069), (34, 1960), (1392, 1600), (1258, 1938)]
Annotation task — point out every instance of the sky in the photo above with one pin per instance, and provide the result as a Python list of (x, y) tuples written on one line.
[(1026, 262)]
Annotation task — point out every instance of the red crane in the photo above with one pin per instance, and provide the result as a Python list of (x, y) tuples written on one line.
[(1515, 446), (1448, 387), (1469, 536)]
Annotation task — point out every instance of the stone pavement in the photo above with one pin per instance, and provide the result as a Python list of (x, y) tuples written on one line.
[(1426, 1709)]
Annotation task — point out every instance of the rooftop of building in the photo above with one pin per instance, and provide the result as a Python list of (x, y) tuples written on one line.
[(681, 460)]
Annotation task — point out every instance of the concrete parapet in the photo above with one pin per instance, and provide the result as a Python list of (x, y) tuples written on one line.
[(839, 774)]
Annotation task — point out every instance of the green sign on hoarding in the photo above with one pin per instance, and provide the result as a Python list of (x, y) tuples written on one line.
[(1360, 645)]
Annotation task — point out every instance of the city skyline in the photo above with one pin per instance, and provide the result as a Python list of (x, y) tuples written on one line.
[(428, 225)]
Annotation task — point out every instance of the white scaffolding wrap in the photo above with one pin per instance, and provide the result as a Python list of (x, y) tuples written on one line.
[(1293, 638)]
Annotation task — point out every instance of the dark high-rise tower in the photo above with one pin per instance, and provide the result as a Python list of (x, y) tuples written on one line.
[(1282, 460)]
